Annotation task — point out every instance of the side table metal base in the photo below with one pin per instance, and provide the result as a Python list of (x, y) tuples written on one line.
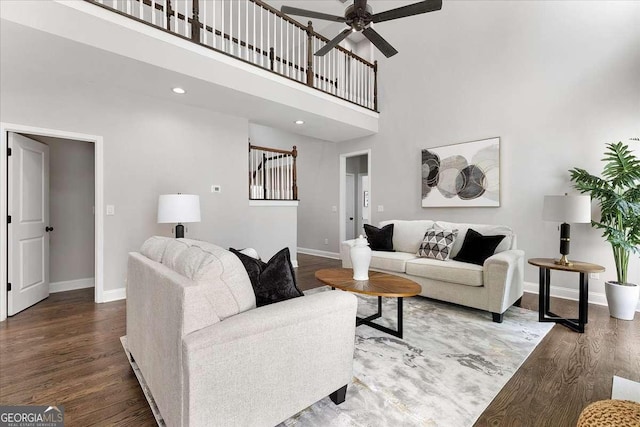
[(545, 315)]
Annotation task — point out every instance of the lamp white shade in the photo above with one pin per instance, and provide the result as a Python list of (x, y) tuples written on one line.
[(569, 209), (178, 208)]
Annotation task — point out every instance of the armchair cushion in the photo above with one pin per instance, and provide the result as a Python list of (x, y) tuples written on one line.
[(273, 281)]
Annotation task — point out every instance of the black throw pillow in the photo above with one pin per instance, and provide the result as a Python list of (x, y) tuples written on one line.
[(272, 281), (380, 239), (476, 248)]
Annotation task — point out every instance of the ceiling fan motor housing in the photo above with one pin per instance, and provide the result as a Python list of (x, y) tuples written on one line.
[(358, 19)]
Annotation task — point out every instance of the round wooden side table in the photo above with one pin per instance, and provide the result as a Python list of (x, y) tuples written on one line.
[(584, 268)]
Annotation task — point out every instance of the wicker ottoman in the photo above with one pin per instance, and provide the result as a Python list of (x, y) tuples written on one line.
[(610, 413)]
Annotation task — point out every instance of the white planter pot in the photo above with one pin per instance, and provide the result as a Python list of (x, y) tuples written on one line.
[(360, 258), (622, 299)]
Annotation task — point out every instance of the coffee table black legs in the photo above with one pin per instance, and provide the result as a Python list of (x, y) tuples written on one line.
[(369, 320), (546, 315)]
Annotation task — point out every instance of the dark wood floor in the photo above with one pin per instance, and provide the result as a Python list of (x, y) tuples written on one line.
[(66, 351)]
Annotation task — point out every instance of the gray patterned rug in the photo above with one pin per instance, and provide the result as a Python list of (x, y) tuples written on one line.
[(450, 365)]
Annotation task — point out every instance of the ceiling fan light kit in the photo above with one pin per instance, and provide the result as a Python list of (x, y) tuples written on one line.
[(359, 17)]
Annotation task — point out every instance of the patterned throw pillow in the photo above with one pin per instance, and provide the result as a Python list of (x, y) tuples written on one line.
[(437, 244)]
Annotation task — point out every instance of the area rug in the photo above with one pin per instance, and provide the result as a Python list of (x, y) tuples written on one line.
[(446, 370)]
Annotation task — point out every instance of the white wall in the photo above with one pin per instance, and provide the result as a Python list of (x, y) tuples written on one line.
[(152, 147), (71, 195), (555, 80)]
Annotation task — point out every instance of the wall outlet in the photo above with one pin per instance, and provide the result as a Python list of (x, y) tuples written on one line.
[(380, 208), (594, 276), (111, 210), (326, 241), (334, 209), (216, 189)]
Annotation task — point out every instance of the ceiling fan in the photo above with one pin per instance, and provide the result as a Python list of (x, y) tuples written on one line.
[(358, 17)]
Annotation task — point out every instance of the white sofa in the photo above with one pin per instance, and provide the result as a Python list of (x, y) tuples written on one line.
[(211, 358), (493, 287)]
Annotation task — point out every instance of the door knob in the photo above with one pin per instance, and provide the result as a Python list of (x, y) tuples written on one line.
[(351, 218), (48, 229)]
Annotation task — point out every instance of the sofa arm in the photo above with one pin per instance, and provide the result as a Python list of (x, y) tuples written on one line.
[(504, 278), (262, 366), (345, 253)]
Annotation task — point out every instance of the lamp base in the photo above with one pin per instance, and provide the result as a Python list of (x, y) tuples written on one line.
[(179, 231), (563, 261)]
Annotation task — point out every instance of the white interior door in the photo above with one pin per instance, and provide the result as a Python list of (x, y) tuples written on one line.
[(350, 204), (28, 236)]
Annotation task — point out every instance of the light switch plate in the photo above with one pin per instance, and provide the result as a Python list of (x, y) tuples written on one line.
[(334, 209), (380, 208), (111, 210)]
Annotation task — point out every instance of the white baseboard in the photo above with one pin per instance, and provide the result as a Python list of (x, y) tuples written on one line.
[(597, 298), (71, 285), (317, 252), (114, 294), (294, 263)]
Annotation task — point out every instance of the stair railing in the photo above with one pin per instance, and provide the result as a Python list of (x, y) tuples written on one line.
[(272, 173)]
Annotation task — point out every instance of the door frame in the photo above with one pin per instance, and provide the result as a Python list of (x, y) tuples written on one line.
[(99, 203), (342, 214)]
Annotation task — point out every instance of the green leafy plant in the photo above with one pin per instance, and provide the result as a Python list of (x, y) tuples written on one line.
[(618, 192)]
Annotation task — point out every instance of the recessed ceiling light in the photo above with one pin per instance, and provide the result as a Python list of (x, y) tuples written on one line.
[(299, 122), (178, 90)]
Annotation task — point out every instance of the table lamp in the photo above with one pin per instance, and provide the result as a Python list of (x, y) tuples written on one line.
[(178, 208), (566, 209)]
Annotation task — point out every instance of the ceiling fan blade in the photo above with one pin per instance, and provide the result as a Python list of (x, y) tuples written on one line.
[(360, 4), (311, 14), (333, 43), (409, 10), (382, 45)]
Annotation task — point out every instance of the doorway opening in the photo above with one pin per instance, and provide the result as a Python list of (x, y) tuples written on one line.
[(355, 193), (50, 215)]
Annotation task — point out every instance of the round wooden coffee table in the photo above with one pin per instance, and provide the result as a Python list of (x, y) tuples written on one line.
[(379, 284)]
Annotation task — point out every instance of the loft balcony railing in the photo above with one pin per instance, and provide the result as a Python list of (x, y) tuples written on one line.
[(272, 173), (254, 32)]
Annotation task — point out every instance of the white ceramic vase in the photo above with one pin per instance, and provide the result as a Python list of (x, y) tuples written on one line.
[(622, 299), (360, 258)]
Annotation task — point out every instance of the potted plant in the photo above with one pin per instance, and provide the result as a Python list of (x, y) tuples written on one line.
[(618, 193)]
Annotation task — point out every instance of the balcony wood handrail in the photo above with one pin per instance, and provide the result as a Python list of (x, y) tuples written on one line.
[(367, 97)]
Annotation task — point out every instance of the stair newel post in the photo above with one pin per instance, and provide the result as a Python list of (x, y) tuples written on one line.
[(264, 176), (294, 153), (272, 58), (309, 55), (195, 21), (169, 11), (375, 85)]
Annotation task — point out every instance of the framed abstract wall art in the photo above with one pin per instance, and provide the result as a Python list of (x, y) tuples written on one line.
[(462, 175)]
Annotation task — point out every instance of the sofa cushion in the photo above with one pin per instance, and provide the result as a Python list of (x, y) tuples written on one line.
[(390, 261), (154, 247), (380, 239), (447, 271), (484, 229), (408, 235), (476, 248), (273, 281), (437, 244)]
